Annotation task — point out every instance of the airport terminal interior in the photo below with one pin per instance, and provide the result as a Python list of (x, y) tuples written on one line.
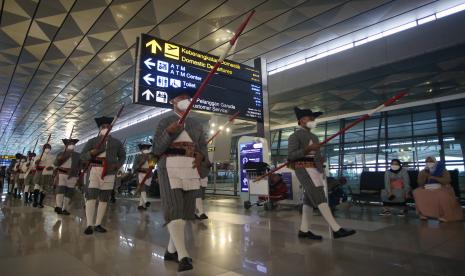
[(232, 137)]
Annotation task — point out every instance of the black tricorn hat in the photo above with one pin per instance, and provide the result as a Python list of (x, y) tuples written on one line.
[(176, 92), (103, 120), (70, 141), (18, 155), (299, 113), (30, 153), (47, 146)]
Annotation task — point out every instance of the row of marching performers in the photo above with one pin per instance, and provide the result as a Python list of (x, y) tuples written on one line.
[(34, 176), (183, 167)]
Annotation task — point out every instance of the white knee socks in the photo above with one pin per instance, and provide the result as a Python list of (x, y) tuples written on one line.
[(328, 216), (176, 229), (171, 247), (66, 201), (26, 189), (59, 199), (307, 214), (90, 211), (143, 198), (199, 206), (102, 207)]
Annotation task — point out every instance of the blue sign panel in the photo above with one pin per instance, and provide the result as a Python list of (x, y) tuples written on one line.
[(250, 151)]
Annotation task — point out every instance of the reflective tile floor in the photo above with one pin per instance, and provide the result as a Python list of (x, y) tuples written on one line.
[(232, 242)]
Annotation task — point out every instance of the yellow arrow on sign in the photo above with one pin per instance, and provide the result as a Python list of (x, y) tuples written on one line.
[(154, 44)]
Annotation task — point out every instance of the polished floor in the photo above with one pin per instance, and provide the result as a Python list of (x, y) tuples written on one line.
[(232, 242)]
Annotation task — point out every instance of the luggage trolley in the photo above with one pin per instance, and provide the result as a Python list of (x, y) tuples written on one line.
[(259, 188)]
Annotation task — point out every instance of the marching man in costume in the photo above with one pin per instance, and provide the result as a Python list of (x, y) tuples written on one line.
[(28, 181), (183, 163), (68, 163), (19, 185), (104, 164), (305, 156), (143, 165), (43, 177)]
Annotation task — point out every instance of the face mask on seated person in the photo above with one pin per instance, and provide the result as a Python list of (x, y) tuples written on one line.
[(71, 147), (395, 167), (47, 150), (430, 165), (146, 151), (311, 124)]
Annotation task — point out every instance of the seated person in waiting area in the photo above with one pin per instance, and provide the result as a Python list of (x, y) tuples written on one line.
[(434, 197), (396, 188), (278, 188)]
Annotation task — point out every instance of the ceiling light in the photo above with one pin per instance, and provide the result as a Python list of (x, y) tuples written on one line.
[(426, 19), (221, 127), (213, 125), (212, 131), (450, 11), (228, 129), (400, 28)]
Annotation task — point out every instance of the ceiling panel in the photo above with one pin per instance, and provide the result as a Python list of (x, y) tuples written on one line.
[(63, 62)]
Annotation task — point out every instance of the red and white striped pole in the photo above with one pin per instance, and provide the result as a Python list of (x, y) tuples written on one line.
[(343, 130), (212, 72)]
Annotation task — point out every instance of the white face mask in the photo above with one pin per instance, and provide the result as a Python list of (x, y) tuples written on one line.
[(103, 131), (146, 151), (430, 165), (395, 167), (47, 150), (311, 124), (182, 105), (71, 147)]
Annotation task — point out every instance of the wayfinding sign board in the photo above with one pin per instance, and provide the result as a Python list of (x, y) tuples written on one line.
[(163, 67)]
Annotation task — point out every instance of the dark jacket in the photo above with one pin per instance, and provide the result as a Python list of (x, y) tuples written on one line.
[(162, 141), (76, 163), (115, 153)]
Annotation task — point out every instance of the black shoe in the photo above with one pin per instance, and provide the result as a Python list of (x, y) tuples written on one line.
[(34, 204), (185, 264), (26, 194), (147, 204), (341, 233), (202, 217), (89, 230), (57, 209), (171, 256), (197, 216), (66, 213), (100, 229), (309, 235), (40, 206), (141, 208)]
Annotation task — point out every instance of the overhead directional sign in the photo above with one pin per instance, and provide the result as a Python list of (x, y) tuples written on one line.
[(164, 66)]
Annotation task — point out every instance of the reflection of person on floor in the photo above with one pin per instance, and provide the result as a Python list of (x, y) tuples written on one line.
[(435, 198), (305, 156), (182, 165), (104, 164), (396, 188)]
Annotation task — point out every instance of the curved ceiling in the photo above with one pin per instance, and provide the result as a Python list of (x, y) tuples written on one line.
[(63, 62)]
